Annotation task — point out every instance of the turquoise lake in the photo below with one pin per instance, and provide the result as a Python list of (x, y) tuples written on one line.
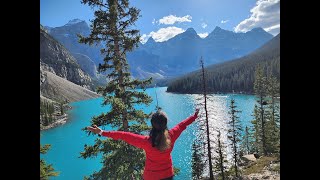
[(67, 141)]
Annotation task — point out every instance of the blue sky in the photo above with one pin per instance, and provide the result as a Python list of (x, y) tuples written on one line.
[(163, 19)]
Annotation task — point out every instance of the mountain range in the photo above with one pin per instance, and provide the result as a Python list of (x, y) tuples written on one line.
[(160, 60)]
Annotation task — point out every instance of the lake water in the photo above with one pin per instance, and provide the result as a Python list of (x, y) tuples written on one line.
[(67, 141)]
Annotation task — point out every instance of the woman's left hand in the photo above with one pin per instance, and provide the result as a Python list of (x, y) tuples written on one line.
[(95, 129)]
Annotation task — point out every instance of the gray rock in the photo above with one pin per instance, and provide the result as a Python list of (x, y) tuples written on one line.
[(56, 59), (249, 157)]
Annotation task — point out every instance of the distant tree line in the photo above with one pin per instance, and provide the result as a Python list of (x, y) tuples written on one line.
[(48, 111), (233, 76)]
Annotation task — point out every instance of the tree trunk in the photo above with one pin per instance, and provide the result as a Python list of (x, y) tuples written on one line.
[(207, 123), (262, 127)]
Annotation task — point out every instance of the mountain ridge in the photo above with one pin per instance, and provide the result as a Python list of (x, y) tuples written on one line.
[(173, 57)]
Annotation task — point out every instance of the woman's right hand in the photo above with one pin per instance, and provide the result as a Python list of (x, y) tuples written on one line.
[(95, 129), (196, 112)]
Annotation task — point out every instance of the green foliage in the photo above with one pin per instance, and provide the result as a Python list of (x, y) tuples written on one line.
[(257, 147), (247, 141), (197, 162), (234, 133), (260, 89), (273, 116), (46, 112), (267, 113), (229, 174), (46, 170), (61, 108), (220, 160), (120, 159), (113, 24)]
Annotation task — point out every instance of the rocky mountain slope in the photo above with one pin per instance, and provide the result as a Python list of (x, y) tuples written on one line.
[(60, 89), (57, 59)]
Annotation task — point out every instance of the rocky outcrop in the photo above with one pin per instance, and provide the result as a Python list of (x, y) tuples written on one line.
[(249, 157), (268, 173), (56, 59), (86, 64)]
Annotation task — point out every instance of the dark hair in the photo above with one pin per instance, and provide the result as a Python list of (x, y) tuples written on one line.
[(159, 133)]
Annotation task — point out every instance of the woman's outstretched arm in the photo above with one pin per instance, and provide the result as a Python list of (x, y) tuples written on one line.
[(131, 138), (177, 130)]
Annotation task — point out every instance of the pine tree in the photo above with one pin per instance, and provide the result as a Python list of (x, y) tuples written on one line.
[(234, 134), (221, 158), (61, 108), (247, 141), (273, 115), (260, 87), (113, 24), (257, 145), (197, 162), (46, 171), (207, 121)]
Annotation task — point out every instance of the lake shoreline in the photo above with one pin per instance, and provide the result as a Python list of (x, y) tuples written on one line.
[(60, 120), (234, 93)]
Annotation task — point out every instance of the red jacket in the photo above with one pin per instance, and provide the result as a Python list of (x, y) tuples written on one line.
[(158, 165)]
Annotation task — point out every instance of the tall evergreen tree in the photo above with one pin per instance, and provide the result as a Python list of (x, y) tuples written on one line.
[(247, 144), (234, 134), (46, 170), (207, 120), (197, 162), (113, 24), (260, 89), (220, 159), (257, 145), (273, 115)]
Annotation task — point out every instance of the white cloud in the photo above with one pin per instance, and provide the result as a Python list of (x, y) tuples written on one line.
[(204, 25), (162, 34), (171, 19), (203, 35), (266, 14), (144, 38), (224, 21), (273, 29)]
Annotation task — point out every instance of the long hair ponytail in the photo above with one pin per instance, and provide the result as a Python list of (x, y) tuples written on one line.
[(159, 133)]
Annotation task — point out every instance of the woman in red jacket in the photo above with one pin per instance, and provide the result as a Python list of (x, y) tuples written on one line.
[(158, 145)]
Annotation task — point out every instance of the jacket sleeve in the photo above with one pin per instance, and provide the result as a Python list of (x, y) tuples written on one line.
[(177, 130), (136, 140)]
